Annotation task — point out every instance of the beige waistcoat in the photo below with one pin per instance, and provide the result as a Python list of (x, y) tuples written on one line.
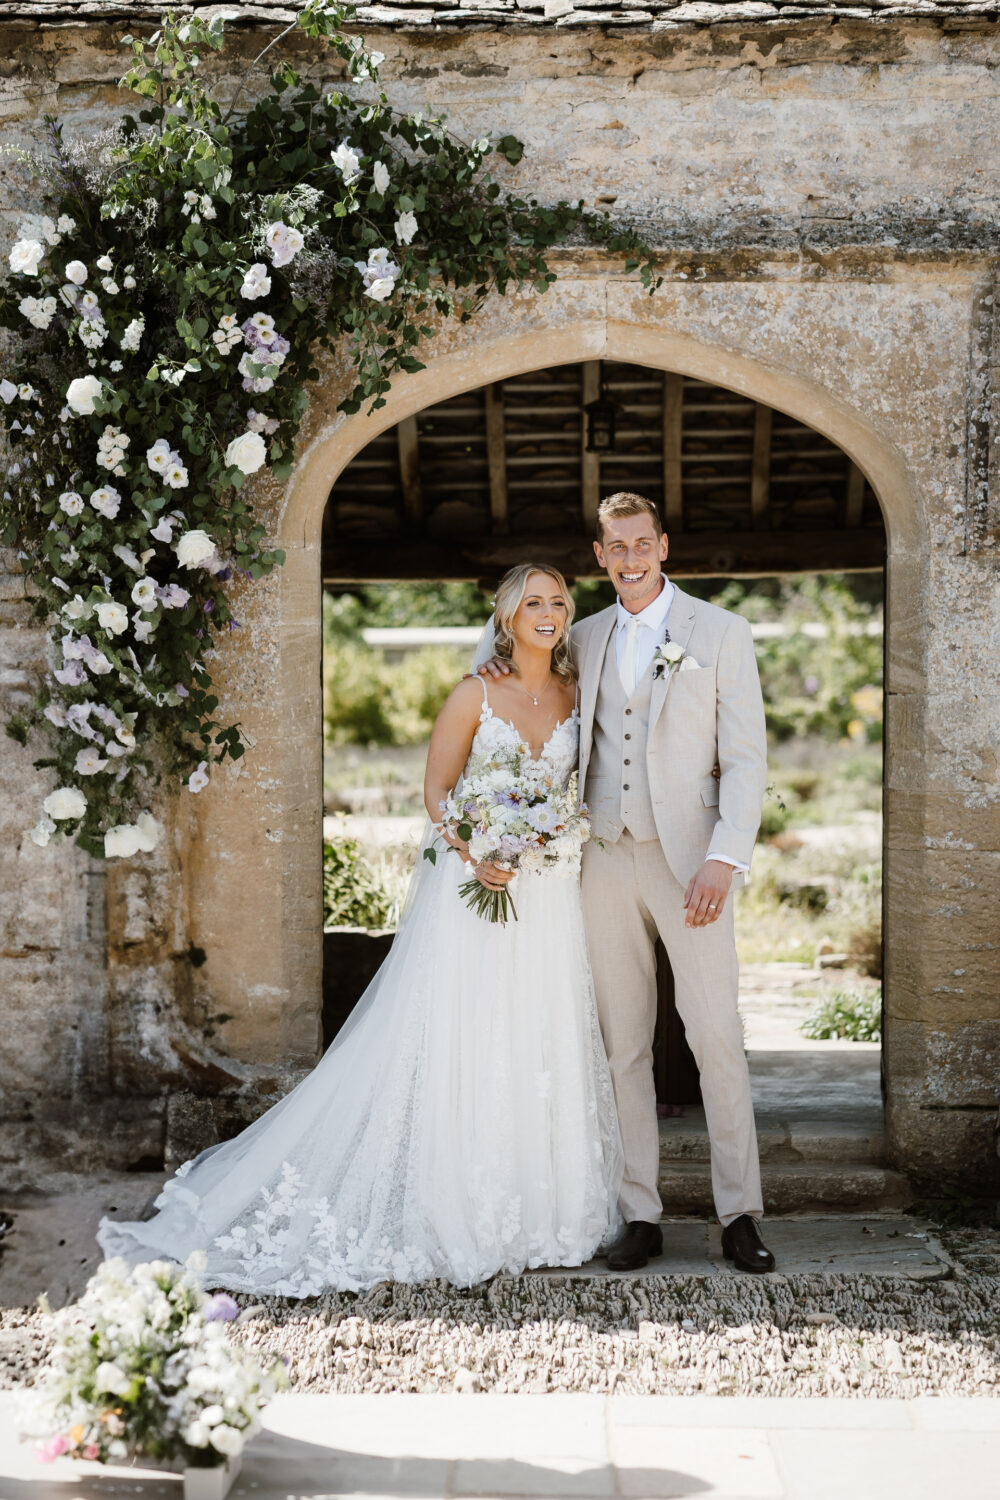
[(618, 794)]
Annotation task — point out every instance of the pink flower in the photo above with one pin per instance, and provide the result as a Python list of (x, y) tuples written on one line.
[(91, 1451), (54, 1448)]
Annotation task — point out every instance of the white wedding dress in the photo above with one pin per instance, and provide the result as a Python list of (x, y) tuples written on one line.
[(461, 1124)]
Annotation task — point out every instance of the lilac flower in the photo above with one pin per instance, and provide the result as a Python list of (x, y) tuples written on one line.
[(221, 1308)]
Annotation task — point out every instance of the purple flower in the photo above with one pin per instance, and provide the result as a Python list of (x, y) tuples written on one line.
[(221, 1308)]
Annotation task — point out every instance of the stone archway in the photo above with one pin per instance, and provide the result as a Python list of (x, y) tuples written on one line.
[(266, 970)]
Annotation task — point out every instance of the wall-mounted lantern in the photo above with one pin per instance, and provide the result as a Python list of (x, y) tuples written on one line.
[(602, 415)]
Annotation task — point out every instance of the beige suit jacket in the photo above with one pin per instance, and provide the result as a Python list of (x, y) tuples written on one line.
[(696, 718)]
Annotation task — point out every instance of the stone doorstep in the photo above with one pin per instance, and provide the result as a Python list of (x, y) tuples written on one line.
[(781, 1143), (804, 1244), (686, 1187)]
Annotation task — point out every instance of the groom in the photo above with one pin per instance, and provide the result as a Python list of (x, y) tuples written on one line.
[(669, 689)]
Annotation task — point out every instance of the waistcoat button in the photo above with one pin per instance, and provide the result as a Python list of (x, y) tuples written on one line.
[(627, 712), (625, 787), (628, 762), (628, 736)]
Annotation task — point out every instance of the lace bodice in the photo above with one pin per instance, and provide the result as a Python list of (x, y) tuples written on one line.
[(560, 752)]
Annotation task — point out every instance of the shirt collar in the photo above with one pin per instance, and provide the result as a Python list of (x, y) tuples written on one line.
[(655, 614)]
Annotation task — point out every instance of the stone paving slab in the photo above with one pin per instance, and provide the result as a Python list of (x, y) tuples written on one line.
[(842, 1244), (574, 1446)]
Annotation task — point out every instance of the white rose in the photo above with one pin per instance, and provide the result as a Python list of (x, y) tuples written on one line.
[(82, 395), (122, 842), (380, 289), (192, 548), (247, 452), (42, 832), (144, 594), (112, 617), (71, 503), (256, 282), (406, 228), (380, 174), (149, 830), (226, 1440), (105, 263), (196, 1434), (671, 651), (25, 257), (65, 802), (88, 761), (111, 1377), (76, 272), (197, 782)]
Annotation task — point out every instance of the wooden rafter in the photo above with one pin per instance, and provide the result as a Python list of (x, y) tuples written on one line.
[(760, 473), (496, 458), (673, 427), (590, 463), (744, 554), (409, 472)]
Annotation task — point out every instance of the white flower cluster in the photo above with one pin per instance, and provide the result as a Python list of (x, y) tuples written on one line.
[(132, 337), (39, 311), (283, 242), (165, 461), (141, 1364), (228, 334), (379, 273), (256, 282), (198, 206), (111, 446)]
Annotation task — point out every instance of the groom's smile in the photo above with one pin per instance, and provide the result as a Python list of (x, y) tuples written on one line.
[(633, 553)]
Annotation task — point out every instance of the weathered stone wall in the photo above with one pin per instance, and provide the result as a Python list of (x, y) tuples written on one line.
[(826, 192)]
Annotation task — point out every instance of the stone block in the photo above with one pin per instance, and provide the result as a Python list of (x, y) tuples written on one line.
[(943, 959), (190, 1128)]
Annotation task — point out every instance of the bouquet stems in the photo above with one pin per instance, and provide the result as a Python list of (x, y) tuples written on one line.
[(494, 906)]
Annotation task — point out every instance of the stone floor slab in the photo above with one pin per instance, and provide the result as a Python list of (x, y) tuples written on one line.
[(873, 1245), (773, 1413), (685, 1253), (669, 1462)]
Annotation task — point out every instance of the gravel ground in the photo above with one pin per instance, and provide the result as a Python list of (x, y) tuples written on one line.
[(820, 1335)]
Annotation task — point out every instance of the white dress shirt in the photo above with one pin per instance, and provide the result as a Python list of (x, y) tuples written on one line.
[(652, 622)]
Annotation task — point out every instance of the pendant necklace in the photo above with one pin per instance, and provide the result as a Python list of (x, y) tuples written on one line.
[(531, 695)]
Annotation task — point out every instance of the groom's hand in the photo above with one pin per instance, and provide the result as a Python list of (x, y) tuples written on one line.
[(494, 668), (706, 893)]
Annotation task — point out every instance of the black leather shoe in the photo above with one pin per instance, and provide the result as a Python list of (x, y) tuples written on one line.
[(742, 1244), (637, 1244)]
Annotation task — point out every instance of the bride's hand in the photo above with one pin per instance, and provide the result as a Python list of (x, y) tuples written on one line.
[(491, 876)]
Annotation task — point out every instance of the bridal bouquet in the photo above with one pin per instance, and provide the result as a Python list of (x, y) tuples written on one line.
[(511, 811), (141, 1367)]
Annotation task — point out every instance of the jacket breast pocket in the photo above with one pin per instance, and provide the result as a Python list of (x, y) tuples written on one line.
[(710, 793)]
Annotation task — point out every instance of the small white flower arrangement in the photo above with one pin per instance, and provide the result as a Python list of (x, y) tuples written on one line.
[(141, 1367), (667, 658)]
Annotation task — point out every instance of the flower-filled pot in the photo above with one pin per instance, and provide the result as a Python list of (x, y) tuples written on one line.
[(212, 1483)]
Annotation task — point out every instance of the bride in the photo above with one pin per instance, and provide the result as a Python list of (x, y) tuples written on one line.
[(462, 1123)]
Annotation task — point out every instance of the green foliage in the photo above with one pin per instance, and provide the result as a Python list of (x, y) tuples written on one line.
[(830, 685), (847, 1015), (404, 605), (349, 227), (352, 897), (367, 700)]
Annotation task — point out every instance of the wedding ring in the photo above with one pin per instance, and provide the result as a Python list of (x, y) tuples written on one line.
[(712, 906)]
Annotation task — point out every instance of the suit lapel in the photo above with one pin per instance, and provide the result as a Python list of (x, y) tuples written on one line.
[(680, 623), (590, 680)]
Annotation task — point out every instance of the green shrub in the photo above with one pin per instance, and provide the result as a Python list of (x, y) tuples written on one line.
[(369, 701), (847, 1015), (352, 897)]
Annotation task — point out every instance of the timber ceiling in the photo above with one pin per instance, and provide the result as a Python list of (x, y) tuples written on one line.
[(499, 474)]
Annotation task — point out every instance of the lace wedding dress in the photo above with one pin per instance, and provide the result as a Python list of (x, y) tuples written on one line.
[(461, 1124)]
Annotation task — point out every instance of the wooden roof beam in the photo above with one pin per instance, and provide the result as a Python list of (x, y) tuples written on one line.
[(673, 436), (408, 453), (496, 459), (760, 472)]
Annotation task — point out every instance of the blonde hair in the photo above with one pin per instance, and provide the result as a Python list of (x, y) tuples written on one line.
[(625, 503), (510, 592)]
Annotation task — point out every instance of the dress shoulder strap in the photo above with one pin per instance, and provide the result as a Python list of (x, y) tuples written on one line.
[(486, 696)]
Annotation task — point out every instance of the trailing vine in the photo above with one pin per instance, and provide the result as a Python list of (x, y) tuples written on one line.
[(167, 305)]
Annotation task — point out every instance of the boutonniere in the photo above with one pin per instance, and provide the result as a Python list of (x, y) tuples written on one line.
[(667, 658)]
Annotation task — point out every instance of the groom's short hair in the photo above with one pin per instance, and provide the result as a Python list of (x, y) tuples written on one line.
[(625, 503)]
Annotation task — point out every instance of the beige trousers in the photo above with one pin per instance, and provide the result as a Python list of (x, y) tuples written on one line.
[(630, 895)]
